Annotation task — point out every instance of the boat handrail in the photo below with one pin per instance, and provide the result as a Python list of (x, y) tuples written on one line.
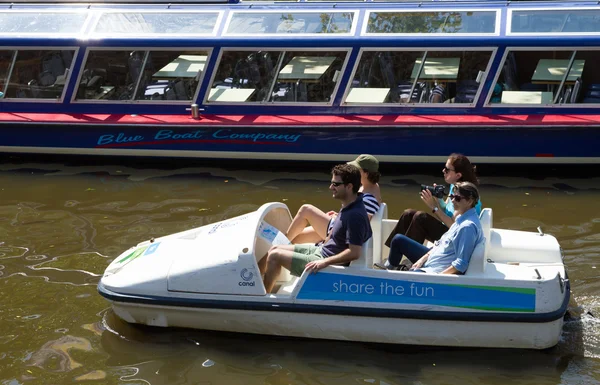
[(99, 2), (324, 2)]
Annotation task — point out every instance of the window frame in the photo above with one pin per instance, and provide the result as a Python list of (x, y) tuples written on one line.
[(149, 102), (347, 50), (231, 14), (492, 50), (509, 19), (509, 49), (60, 100), (77, 34), (368, 13), (93, 25)]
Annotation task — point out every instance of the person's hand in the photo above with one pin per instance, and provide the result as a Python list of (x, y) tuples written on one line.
[(314, 266), (419, 264), (429, 199)]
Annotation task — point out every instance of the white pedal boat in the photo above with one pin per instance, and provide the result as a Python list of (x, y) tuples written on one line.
[(514, 293)]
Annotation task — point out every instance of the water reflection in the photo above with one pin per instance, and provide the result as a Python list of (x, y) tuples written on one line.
[(54, 355), (246, 359)]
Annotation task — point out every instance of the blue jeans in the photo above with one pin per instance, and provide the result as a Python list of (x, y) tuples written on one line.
[(403, 245)]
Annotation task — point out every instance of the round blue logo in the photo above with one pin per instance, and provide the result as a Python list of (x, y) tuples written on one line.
[(246, 275)]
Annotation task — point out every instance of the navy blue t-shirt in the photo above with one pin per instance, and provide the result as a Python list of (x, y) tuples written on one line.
[(351, 227)]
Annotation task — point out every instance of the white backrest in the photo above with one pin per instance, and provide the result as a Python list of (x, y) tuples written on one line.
[(478, 260), (378, 236), (365, 261), (486, 223)]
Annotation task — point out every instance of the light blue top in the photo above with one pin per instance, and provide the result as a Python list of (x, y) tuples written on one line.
[(457, 244), (449, 207)]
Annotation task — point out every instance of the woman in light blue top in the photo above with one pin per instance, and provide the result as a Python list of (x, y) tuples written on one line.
[(452, 253), (432, 224)]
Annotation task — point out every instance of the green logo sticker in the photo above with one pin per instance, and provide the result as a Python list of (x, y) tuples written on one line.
[(134, 254)]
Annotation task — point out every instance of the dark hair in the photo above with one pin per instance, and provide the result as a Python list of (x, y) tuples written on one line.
[(463, 165), (349, 174), (373, 176), (468, 190)]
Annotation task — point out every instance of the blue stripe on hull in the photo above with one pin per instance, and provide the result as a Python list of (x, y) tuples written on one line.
[(327, 308)]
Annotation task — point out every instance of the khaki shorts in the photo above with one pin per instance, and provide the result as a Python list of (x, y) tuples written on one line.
[(303, 254)]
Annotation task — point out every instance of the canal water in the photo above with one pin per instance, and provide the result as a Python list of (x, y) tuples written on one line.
[(62, 222)]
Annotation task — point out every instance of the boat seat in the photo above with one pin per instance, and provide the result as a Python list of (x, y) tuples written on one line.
[(486, 220), (288, 287), (576, 90), (387, 226), (365, 261), (371, 250), (478, 261), (466, 91), (377, 227)]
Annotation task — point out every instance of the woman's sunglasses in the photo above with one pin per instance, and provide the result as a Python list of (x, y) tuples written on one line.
[(456, 198), (446, 170)]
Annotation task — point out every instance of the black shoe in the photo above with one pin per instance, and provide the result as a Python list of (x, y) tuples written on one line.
[(381, 266)]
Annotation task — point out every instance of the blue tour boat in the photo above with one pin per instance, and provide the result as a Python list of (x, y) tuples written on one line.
[(504, 82)]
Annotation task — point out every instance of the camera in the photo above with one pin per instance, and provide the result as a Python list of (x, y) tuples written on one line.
[(436, 191)]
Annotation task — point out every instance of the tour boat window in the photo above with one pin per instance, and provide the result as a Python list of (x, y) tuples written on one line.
[(277, 76), (141, 75), (243, 23), (36, 74), (157, 23), (556, 77), (431, 22), (555, 21), (430, 77), (6, 59), (26, 23)]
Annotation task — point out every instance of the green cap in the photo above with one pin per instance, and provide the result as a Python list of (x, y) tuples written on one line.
[(367, 162)]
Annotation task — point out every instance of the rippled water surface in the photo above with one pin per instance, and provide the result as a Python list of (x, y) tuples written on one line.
[(61, 224)]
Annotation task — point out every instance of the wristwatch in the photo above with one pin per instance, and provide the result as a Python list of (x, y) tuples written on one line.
[(435, 209)]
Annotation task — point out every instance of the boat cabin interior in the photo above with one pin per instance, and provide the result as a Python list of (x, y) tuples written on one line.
[(339, 56)]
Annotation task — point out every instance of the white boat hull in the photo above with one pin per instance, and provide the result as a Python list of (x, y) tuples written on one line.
[(349, 328)]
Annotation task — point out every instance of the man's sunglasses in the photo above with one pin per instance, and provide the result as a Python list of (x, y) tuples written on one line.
[(456, 198), (337, 184)]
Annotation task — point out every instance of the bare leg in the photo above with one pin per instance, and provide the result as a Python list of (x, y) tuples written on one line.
[(262, 264), (308, 215), (308, 235), (277, 257)]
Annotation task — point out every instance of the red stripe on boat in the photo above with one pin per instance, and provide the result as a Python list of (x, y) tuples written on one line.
[(306, 120)]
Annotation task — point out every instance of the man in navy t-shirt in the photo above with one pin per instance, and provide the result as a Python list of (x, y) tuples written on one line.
[(344, 244)]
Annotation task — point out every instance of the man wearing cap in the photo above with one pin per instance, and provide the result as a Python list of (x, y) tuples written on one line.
[(369, 177)]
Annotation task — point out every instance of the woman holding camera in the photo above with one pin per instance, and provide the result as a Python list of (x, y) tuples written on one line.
[(431, 225)]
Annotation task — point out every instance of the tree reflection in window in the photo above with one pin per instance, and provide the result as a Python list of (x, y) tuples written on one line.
[(432, 22)]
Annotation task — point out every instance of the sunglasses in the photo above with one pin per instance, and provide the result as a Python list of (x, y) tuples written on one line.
[(337, 184), (456, 198), (446, 170)]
